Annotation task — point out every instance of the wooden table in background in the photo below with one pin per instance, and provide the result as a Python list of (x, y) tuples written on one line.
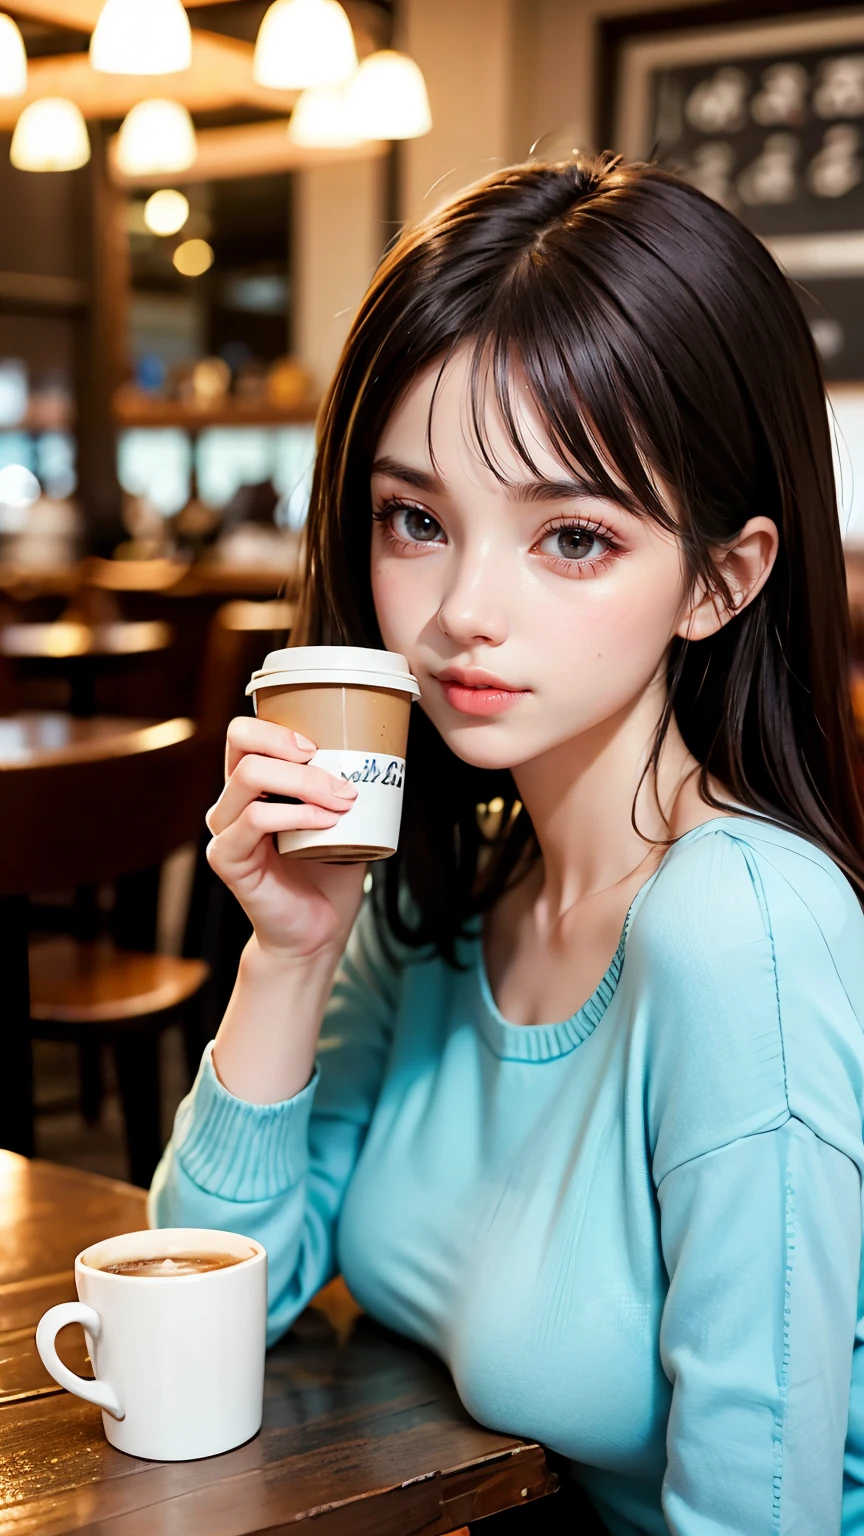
[(34, 737), (362, 1438), (79, 651), (222, 578)]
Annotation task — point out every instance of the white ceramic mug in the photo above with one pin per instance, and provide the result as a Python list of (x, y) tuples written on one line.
[(179, 1360)]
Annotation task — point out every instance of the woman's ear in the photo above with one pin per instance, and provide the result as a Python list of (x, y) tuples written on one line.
[(744, 566)]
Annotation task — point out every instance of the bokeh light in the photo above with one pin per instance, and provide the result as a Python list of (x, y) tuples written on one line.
[(166, 211), (193, 257)]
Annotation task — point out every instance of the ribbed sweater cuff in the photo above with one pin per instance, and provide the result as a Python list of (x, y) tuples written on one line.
[(242, 1151)]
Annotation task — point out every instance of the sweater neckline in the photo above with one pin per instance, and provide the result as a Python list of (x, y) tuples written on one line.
[(545, 1042)]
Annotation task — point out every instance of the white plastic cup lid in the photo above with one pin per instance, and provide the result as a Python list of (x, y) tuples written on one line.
[(356, 665)]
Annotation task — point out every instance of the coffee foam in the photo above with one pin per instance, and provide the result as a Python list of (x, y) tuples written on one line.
[(170, 1266)]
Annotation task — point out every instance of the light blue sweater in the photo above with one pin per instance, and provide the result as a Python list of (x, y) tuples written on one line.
[(635, 1235)]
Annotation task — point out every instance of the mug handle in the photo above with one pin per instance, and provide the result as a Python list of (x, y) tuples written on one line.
[(56, 1318)]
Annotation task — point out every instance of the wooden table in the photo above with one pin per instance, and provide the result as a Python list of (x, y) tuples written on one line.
[(367, 1438), (80, 650), (221, 578), (33, 738)]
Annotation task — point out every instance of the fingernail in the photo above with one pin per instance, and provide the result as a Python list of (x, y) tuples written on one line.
[(304, 743), (346, 789)]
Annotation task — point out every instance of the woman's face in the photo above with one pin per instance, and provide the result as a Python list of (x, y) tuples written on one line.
[(563, 604)]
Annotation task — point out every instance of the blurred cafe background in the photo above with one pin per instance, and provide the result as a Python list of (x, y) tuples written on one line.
[(193, 198)]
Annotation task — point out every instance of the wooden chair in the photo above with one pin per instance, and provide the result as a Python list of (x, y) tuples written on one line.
[(240, 635), (112, 815)]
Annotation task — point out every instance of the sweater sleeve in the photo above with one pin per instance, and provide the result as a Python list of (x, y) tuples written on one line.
[(755, 1108), (278, 1172), (762, 1242)]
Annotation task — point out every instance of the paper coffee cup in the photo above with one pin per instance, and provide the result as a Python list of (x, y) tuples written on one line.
[(355, 704)]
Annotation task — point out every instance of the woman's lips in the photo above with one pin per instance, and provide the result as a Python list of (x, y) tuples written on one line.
[(480, 701)]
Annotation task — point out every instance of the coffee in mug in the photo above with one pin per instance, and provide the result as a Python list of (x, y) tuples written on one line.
[(169, 1266), (178, 1356), (355, 704)]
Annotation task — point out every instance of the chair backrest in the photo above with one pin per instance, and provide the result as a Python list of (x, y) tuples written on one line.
[(240, 635), (158, 575), (109, 809)]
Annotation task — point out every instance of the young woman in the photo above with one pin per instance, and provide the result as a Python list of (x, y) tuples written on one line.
[(575, 465)]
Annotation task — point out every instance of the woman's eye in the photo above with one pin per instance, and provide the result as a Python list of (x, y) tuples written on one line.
[(414, 524), (570, 544), (575, 544), (420, 525)]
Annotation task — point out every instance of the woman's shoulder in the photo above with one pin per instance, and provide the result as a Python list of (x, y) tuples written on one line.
[(747, 954), (739, 877)]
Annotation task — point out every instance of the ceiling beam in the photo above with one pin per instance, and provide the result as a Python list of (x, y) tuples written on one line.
[(252, 149), (76, 13), (220, 77), (71, 15)]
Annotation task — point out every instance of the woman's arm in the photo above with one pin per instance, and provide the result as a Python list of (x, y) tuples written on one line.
[(753, 953), (301, 911), (278, 1171), (762, 1244), (265, 1049)]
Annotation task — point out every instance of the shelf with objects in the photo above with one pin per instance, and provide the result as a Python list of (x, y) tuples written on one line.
[(215, 415), (143, 412)]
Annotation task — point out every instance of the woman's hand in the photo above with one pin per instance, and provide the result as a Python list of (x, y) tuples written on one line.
[(298, 907)]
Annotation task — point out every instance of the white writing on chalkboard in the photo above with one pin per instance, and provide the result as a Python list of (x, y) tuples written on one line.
[(725, 102), (840, 87), (778, 139)]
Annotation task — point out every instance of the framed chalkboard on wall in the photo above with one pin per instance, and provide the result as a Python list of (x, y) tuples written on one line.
[(769, 119)]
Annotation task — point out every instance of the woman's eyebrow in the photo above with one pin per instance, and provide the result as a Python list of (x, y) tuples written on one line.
[(524, 491), (421, 479), (552, 490)]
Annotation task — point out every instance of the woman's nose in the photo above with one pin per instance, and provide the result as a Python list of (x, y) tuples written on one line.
[(474, 606)]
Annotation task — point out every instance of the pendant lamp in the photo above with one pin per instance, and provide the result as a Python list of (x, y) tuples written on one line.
[(320, 119), (50, 135), (156, 138), (13, 59), (387, 98), (302, 43), (141, 37)]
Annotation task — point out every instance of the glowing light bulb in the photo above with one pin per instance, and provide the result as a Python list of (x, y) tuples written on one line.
[(302, 43), (193, 258), (387, 98), (141, 37), (50, 135), (166, 211), (13, 59), (320, 119), (156, 137)]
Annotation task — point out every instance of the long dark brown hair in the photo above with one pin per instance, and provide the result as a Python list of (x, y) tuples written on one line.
[(647, 319)]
